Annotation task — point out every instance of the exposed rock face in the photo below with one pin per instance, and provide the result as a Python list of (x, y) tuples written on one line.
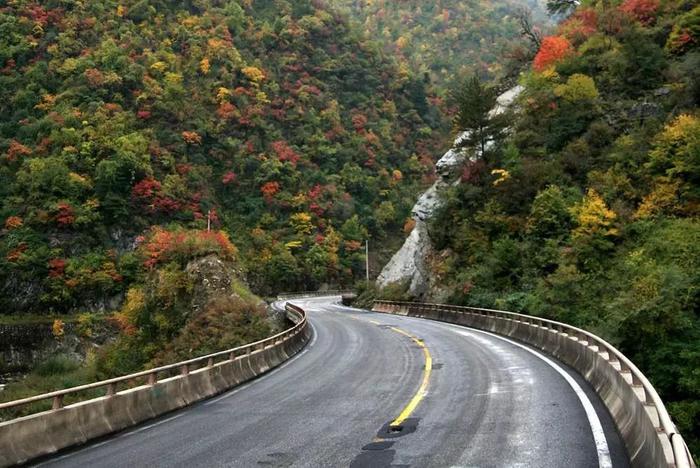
[(408, 264), (210, 278), (411, 263)]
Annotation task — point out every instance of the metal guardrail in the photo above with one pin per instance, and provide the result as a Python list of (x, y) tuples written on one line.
[(643, 389), (301, 295), (294, 313)]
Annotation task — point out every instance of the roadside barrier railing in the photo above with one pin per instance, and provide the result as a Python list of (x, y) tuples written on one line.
[(301, 295), (650, 436), (158, 391)]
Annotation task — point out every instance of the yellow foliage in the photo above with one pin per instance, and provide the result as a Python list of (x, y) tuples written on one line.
[(502, 174), (594, 217), (293, 244), (121, 11), (159, 66), (58, 328), (222, 94), (78, 179), (401, 42), (173, 79), (254, 74), (662, 198), (678, 130), (47, 102), (299, 199), (216, 44), (578, 87), (261, 97), (301, 222), (204, 65)]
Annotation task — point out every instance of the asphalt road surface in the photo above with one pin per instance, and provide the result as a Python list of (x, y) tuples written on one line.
[(482, 401)]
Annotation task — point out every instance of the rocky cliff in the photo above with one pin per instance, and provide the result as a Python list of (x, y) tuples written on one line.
[(411, 263)]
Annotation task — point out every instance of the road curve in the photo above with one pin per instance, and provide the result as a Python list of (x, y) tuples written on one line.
[(489, 403)]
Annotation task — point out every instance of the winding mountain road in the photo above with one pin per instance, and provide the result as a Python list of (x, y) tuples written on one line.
[(467, 398)]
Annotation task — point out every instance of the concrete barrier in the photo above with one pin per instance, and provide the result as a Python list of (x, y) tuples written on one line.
[(641, 418), (310, 294), (28, 437)]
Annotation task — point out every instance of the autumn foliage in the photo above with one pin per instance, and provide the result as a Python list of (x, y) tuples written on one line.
[(162, 246), (552, 50), (580, 26), (643, 10), (13, 222)]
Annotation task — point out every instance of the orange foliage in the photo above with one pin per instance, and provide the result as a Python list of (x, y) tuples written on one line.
[(15, 254), (270, 189), (163, 246), (17, 149), (553, 50), (409, 225), (191, 138), (227, 111), (13, 222)]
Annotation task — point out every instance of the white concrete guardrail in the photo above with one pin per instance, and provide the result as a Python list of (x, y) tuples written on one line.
[(302, 295), (157, 391), (650, 436)]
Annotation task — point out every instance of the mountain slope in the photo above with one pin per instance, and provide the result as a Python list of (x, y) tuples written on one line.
[(587, 210), (272, 119), (444, 39)]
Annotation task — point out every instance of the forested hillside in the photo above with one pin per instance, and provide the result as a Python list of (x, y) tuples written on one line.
[(272, 120), (445, 39), (587, 210)]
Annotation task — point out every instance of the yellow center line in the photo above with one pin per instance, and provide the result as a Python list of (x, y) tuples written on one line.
[(423, 389)]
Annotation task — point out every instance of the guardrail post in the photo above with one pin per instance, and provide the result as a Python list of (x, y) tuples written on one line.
[(184, 369), (111, 389), (210, 362), (231, 356), (57, 402), (152, 378)]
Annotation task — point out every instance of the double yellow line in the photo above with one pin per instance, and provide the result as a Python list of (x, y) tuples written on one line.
[(423, 389)]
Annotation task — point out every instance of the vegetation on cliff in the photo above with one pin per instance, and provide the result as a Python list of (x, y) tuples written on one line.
[(588, 210)]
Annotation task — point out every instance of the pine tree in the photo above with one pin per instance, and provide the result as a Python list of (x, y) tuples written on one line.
[(474, 102)]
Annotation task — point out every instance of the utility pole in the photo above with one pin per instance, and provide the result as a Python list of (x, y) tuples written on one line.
[(367, 260), (208, 220)]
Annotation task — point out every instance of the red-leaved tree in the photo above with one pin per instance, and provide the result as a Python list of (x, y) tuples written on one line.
[(552, 50)]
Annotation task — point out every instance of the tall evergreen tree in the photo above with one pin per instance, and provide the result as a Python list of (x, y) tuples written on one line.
[(474, 100)]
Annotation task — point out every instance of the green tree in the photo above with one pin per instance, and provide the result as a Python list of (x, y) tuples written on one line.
[(474, 101)]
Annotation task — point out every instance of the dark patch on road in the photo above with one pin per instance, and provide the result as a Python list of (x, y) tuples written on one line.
[(374, 459), (380, 454), (381, 445), (436, 366), (278, 460)]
